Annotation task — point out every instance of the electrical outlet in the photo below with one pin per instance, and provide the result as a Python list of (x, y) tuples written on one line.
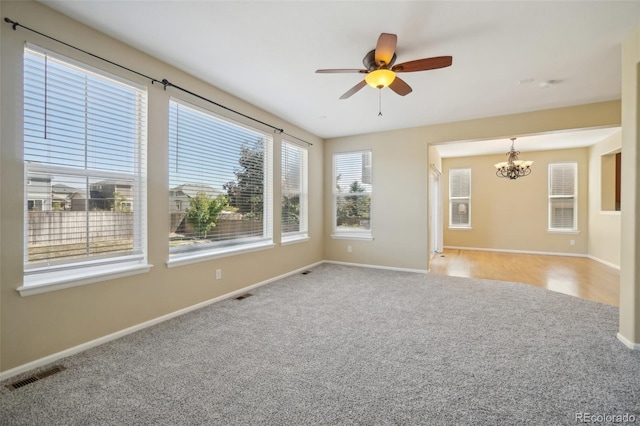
[(218, 274), (349, 250), (572, 242)]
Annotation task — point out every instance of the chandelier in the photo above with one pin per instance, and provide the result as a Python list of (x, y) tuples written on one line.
[(513, 168)]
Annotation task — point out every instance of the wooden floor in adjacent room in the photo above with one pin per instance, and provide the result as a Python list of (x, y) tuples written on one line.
[(575, 276)]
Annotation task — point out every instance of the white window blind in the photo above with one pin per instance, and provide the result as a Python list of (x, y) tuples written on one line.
[(563, 209), (220, 183), (294, 191), (352, 193), (460, 198), (84, 153)]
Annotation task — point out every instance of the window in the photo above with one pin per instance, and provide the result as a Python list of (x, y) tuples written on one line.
[(352, 194), (84, 153), (220, 186), (294, 192), (460, 198), (563, 207)]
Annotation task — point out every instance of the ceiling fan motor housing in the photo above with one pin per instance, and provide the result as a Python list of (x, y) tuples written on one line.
[(369, 61)]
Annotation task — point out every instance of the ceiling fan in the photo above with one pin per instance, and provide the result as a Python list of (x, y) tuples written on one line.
[(380, 71)]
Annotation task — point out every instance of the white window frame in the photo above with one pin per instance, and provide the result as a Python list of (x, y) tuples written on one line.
[(55, 276), (452, 199), (574, 197), (302, 234), (215, 251), (352, 234)]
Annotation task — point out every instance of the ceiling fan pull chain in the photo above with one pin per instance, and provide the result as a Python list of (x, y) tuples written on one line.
[(379, 102)]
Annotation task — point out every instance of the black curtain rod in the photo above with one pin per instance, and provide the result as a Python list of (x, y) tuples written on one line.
[(16, 24), (164, 82)]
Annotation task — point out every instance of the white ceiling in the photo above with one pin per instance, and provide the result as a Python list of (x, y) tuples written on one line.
[(266, 53)]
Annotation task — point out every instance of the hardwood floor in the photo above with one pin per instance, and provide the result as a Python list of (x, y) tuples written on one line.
[(575, 276)]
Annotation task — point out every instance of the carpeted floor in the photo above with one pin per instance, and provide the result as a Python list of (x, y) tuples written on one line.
[(347, 345)]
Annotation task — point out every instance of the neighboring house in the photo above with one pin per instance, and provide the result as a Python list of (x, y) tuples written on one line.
[(39, 197), (62, 196), (111, 195), (180, 195)]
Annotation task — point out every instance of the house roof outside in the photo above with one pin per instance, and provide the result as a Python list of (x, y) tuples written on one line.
[(192, 189)]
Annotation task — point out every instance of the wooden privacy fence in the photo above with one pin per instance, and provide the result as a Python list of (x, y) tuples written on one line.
[(225, 229), (70, 227)]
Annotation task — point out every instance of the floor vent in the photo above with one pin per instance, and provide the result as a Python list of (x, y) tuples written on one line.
[(36, 377), (306, 272), (244, 296)]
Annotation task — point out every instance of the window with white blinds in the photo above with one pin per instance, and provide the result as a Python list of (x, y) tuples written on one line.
[(84, 160), (563, 190), (220, 185), (460, 198), (294, 192), (352, 193)]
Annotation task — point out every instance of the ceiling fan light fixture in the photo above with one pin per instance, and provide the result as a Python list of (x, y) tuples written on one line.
[(381, 78)]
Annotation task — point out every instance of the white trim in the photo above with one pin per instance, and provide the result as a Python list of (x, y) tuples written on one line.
[(610, 212), (121, 333), (604, 262), (628, 343), (208, 255), (82, 277), (547, 253), (352, 236), (390, 268), (285, 241), (460, 228), (563, 231)]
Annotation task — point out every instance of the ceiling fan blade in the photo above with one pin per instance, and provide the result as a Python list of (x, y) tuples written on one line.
[(385, 48), (400, 87), (339, 70), (353, 90), (424, 64)]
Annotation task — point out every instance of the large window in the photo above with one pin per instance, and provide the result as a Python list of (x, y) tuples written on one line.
[(84, 153), (460, 198), (563, 191), (220, 185), (294, 192), (352, 193)]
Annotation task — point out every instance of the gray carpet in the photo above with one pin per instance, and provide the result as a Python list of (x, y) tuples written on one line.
[(347, 345)]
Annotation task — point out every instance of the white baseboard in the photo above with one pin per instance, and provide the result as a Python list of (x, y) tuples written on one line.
[(628, 343), (604, 262), (109, 337), (546, 253), (390, 268)]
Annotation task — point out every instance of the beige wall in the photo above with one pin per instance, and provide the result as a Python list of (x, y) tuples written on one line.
[(604, 226), (36, 326), (513, 214), (630, 216), (399, 203)]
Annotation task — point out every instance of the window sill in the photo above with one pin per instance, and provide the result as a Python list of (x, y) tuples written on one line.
[(460, 228), (188, 259), (294, 239), (610, 212), (563, 231), (364, 237), (57, 281)]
